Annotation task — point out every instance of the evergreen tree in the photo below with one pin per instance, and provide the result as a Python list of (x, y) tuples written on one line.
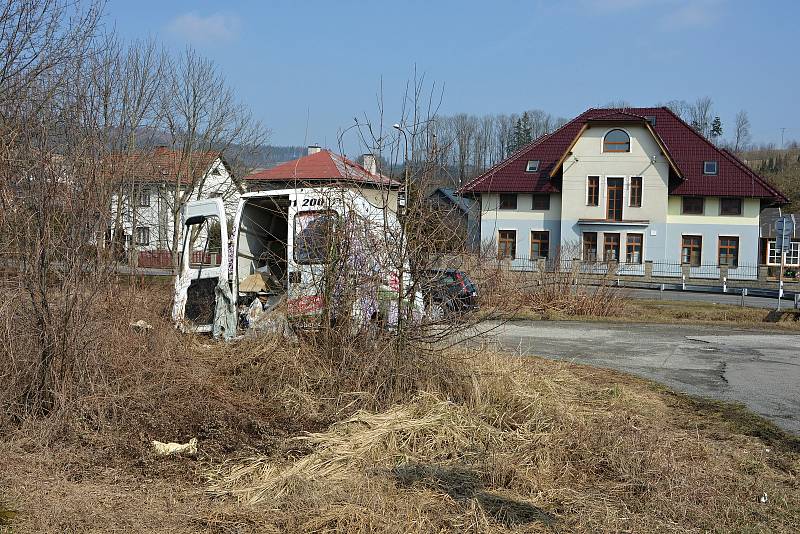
[(716, 128), (526, 130)]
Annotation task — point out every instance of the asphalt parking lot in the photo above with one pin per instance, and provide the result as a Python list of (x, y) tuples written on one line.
[(758, 368)]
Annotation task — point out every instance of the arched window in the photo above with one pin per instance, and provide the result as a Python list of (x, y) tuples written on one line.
[(617, 141)]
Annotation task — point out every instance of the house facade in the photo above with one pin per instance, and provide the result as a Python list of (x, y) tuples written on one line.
[(625, 186), (150, 184)]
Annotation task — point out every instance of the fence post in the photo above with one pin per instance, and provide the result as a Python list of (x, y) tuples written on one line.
[(725, 285), (648, 270), (763, 272), (686, 271), (744, 294), (576, 269)]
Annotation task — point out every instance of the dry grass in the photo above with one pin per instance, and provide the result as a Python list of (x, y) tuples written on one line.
[(291, 439), (508, 293), (677, 312), (541, 446)]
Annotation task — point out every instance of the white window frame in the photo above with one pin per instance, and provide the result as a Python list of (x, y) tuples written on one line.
[(143, 230), (608, 131), (586, 190), (533, 165), (774, 255), (144, 194), (716, 167), (629, 183), (604, 194)]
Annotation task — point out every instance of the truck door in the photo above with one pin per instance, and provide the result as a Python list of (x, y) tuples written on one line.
[(312, 244), (203, 298)]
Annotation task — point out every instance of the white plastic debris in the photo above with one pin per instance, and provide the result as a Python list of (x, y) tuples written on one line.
[(254, 312), (141, 326), (763, 498), (166, 449)]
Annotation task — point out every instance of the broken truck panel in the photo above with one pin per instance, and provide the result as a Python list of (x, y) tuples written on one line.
[(202, 278)]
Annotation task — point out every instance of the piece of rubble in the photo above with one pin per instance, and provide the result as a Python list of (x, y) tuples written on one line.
[(166, 449), (141, 326)]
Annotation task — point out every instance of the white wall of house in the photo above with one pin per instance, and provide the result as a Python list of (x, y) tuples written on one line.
[(644, 160), (147, 219), (711, 225), (522, 220)]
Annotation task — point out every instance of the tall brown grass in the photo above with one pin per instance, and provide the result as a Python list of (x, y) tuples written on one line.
[(537, 447), (545, 290)]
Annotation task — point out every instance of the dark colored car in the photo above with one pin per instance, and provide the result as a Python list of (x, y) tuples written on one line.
[(447, 291)]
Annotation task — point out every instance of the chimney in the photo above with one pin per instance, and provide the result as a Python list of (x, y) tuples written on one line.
[(313, 149), (370, 164)]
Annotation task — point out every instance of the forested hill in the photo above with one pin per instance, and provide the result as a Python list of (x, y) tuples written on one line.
[(782, 168), (268, 156)]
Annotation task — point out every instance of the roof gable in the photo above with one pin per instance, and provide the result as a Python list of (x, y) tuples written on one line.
[(683, 146)]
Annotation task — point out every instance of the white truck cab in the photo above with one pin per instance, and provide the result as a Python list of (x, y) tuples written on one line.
[(279, 250)]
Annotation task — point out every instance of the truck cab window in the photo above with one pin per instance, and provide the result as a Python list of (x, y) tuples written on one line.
[(205, 240), (313, 235)]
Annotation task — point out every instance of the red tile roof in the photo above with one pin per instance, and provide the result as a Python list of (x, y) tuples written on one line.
[(162, 165), (323, 166), (683, 144)]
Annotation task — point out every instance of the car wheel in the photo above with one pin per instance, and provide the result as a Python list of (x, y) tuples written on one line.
[(436, 311)]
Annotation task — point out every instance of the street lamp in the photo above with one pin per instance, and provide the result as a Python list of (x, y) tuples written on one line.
[(401, 196)]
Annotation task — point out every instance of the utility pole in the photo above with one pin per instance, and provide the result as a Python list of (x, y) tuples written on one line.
[(402, 214), (783, 130)]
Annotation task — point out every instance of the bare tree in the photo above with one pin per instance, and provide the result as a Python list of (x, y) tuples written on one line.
[(701, 115), (681, 108), (464, 129), (202, 119), (741, 131), (127, 79), (54, 193)]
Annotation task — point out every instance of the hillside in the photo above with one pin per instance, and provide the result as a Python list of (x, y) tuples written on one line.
[(782, 168)]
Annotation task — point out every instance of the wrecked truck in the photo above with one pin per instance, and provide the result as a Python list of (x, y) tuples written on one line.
[(291, 253)]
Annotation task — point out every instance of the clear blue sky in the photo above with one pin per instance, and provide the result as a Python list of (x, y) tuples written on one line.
[(287, 59)]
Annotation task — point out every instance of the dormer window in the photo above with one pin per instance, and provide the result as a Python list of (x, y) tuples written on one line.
[(617, 141), (651, 119), (709, 167), (533, 165)]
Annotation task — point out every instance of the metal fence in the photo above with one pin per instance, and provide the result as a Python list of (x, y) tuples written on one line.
[(657, 269), (667, 269)]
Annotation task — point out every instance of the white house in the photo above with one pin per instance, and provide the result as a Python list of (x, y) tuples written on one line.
[(152, 186), (626, 186)]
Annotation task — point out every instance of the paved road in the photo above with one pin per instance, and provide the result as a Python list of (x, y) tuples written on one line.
[(758, 368)]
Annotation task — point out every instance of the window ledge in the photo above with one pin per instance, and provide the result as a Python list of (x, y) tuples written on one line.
[(627, 222)]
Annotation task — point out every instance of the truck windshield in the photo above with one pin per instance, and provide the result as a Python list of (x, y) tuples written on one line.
[(313, 234)]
